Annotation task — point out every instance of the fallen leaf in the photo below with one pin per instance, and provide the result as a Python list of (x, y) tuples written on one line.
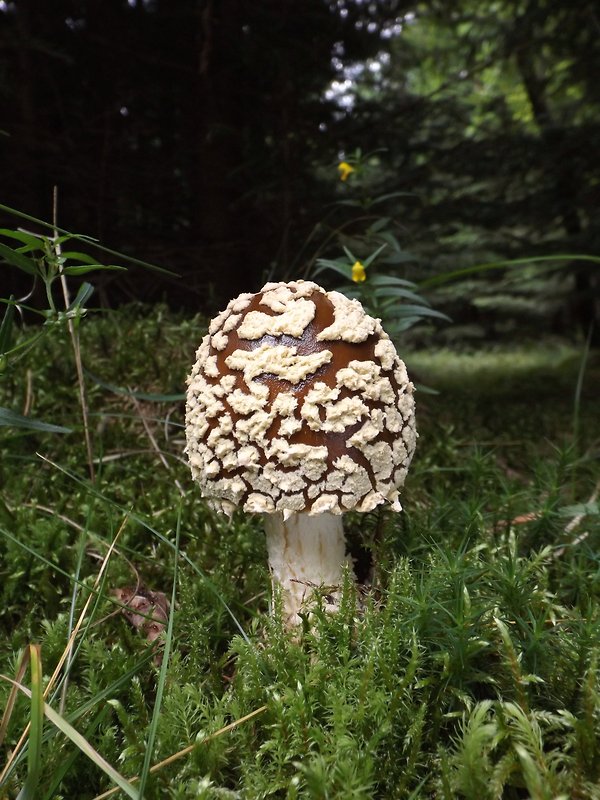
[(146, 610)]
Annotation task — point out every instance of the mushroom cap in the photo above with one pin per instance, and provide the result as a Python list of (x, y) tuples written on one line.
[(298, 402)]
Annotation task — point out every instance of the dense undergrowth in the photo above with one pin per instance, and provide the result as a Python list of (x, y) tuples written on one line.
[(472, 670)]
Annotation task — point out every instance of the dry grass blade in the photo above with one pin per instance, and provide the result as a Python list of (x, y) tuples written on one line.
[(82, 743), (84, 610), (577, 519), (189, 748), (160, 686), (154, 443), (154, 532), (10, 703), (67, 650), (575, 522), (32, 655), (76, 344)]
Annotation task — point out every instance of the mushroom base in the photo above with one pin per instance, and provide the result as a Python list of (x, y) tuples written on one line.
[(306, 551)]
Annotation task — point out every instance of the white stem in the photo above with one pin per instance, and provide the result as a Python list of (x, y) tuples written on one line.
[(305, 552)]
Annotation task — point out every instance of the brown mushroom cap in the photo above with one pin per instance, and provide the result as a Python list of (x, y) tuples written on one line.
[(298, 402)]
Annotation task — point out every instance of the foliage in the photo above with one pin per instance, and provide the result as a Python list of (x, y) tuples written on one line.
[(483, 115), (369, 241), (486, 112), (44, 258), (47, 259), (472, 670)]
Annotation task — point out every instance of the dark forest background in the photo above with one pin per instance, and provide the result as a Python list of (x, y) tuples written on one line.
[(204, 136)]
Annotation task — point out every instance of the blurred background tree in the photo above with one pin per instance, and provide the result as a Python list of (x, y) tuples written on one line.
[(204, 136)]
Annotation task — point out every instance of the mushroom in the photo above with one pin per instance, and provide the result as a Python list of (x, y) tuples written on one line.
[(299, 408)]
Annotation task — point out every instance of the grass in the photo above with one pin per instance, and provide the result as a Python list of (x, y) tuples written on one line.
[(473, 670)]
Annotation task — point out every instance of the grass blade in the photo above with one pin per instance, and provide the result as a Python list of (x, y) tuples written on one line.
[(6, 325), (68, 762), (141, 521), (98, 582), (88, 241), (36, 727), (17, 259), (10, 703), (579, 386), (445, 277), (163, 670), (13, 420), (154, 398), (74, 595), (82, 743), (186, 750)]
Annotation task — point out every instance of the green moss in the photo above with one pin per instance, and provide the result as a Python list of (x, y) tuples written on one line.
[(471, 671)]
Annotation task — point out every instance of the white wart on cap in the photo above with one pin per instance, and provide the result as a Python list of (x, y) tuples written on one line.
[(299, 403)]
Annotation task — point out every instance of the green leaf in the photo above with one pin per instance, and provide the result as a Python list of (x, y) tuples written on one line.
[(155, 398), (67, 763), (351, 203), (85, 268), (82, 743), (367, 262), (74, 255), (391, 280), (335, 266), (391, 239), (590, 509), (390, 196), (25, 345), (534, 779), (13, 420), (379, 225), (424, 389), (353, 291), (352, 258), (36, 726), (405, 323), (398, 258), (393, 291), (85, 292), (436, 280), (408, 309), (88, 240), (32, 241), (18, 260), (151, 735), (6, 326)]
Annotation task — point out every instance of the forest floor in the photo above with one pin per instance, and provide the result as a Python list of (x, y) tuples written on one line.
[(472, 670)]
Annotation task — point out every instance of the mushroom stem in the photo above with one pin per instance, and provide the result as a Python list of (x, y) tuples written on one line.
[(306, 551)]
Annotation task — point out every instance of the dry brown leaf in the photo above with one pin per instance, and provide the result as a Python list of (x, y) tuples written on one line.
[(521, 519), (146, 610)]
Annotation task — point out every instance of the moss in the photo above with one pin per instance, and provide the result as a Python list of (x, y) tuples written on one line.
[(472, 670)]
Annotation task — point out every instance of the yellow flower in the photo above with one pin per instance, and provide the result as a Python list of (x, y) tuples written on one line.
[(358, 272), (345, 169)]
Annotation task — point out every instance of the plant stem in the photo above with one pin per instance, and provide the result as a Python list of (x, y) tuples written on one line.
[(579, 386), (74, 334)]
